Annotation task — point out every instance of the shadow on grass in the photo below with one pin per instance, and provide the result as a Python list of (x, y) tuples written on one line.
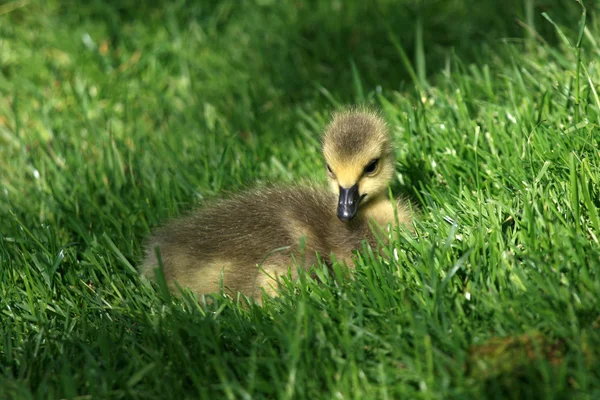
[(296, 45)]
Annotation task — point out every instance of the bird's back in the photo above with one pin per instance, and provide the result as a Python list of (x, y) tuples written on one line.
[(249, 226)]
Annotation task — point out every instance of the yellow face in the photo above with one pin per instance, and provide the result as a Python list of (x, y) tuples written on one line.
[(358, 178), (359, 158)]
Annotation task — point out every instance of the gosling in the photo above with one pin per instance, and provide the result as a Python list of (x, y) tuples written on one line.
[(246, 242)]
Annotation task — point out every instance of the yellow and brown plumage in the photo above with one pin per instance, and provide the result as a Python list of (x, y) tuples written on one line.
[(256, 235)]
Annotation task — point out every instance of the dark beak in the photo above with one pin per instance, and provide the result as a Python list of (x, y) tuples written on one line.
[(348, 203)]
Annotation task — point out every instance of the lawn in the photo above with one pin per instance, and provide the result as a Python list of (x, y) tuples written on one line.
[(115, 116)]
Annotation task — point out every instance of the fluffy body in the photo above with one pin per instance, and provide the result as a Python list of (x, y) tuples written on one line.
[(246, 241), (250, 239)]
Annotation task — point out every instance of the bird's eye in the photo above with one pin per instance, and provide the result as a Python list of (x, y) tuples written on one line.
[(372, 167), (329, 169)]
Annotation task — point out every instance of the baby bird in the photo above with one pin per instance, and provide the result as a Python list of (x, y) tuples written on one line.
[(247, 241)]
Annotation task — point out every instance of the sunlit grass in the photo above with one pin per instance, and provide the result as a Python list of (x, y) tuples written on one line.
[(115, 118)]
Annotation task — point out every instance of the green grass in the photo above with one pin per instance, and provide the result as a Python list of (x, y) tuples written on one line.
[(114, 118)]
